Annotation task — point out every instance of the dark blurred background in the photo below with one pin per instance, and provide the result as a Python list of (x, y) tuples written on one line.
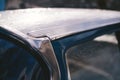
[(101, 4)]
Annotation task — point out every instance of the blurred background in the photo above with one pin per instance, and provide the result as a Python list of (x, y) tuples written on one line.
[(101, 4)]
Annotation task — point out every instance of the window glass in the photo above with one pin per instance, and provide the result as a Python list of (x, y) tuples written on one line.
[(98, 59), (18, 64)]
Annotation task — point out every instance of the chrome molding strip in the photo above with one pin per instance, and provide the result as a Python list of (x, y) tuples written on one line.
[(45, 47)]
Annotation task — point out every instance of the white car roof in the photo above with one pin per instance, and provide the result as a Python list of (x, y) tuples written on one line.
[(56, 23)]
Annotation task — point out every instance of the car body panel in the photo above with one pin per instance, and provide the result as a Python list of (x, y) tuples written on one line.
[(57, 23), (63, 28)]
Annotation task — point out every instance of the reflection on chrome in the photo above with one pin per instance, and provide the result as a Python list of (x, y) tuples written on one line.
[(47, 52)]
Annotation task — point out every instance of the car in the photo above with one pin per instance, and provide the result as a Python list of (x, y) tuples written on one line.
[(34, 42)]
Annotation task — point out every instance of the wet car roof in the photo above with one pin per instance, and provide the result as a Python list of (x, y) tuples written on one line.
[(56, 23)]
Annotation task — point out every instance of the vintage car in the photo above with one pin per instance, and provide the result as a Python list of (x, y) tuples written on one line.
[(34, 43)]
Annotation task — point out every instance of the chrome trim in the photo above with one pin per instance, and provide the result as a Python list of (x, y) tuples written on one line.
[(46, 49), (68, 68)]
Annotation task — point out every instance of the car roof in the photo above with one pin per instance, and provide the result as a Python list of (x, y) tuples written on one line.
[(57, 23)]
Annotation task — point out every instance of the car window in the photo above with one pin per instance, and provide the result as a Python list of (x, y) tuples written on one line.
[(98, 59), (18, 64)]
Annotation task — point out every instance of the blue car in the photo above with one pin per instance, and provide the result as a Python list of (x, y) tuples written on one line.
[(44, 43)]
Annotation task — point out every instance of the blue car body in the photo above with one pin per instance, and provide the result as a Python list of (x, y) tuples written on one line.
[(59, 29)]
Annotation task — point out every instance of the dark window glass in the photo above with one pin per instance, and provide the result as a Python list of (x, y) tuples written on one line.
[(18, 64), (98, 59)]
